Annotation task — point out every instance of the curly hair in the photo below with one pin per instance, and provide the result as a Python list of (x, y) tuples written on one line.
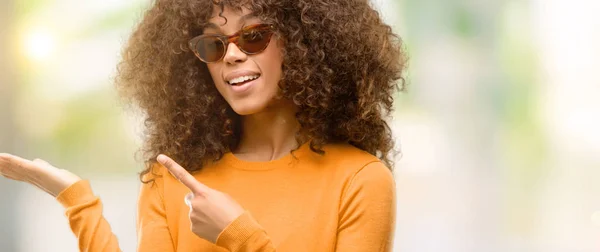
[(341, 67)]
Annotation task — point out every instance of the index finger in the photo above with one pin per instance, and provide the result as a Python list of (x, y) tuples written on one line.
[(183, 175)]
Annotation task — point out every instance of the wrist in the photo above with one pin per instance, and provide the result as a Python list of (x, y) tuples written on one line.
[(76, 194), (56, 180)]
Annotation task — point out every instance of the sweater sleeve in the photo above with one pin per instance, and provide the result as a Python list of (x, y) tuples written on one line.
[(244, 234), (367, 211), (152, 229), (84, 211)]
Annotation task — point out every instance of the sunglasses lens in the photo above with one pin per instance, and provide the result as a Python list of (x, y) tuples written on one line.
[(254, 40), (210, 49), (251, 40)]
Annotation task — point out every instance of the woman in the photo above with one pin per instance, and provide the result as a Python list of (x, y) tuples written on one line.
[(274, 112)]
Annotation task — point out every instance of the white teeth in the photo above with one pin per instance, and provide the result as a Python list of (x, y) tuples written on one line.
[(242, 79)]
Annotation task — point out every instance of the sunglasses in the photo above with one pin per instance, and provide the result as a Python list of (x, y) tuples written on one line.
[(252, 39)]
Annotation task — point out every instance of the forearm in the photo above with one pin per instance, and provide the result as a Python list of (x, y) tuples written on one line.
[(84, 211)]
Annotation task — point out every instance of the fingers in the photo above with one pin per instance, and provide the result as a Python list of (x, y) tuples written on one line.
[(14, 167), (12, 160), (8, 160), (8, 176), (183, 175), (3, 162)]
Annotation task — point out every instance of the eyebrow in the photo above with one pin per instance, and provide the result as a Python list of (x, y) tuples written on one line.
[(243, 19)]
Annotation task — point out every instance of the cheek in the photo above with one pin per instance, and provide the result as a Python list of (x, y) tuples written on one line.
[(215, 74), (272, 61), (214, 71)]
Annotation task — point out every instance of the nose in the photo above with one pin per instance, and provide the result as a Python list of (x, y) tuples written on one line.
[(234, 54)]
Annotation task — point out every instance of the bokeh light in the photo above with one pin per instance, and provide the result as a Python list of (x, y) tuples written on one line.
[(40, 44)]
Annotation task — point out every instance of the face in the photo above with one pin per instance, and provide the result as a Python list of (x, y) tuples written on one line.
[(249, 83)]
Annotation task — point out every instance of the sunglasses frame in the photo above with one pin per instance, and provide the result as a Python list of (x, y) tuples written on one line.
[(226, 40)]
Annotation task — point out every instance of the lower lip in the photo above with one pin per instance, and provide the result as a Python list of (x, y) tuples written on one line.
[(243, 87)]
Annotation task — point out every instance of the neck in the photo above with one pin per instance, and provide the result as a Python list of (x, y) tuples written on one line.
[(270, 134)]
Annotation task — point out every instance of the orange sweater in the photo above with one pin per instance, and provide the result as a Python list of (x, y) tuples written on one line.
[(341, 201)]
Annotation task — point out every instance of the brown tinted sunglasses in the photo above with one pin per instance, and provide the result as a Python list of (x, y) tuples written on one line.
[(252, 39)]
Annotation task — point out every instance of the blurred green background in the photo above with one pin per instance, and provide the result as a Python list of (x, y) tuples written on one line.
[(499, 128)]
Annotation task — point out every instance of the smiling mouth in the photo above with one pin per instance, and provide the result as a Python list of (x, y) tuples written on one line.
[(242, 80)]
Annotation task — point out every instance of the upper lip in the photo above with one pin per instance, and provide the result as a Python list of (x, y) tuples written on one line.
[(240, 73)]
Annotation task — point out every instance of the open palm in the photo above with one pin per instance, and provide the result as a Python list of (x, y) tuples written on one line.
[(37, 172)]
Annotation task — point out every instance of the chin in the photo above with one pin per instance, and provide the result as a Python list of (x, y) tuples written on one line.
[(245, 109)]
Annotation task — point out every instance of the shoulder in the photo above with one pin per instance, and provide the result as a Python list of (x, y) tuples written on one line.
[(374, 177), (362, 178), (155, 176), (346, 154), (153, 172), (158, 181), (353, 165)]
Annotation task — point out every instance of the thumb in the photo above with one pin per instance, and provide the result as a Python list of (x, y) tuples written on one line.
[(43, 163), (40, 161)]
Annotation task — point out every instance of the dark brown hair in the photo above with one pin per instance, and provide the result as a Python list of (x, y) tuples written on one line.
[(341, 67)]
